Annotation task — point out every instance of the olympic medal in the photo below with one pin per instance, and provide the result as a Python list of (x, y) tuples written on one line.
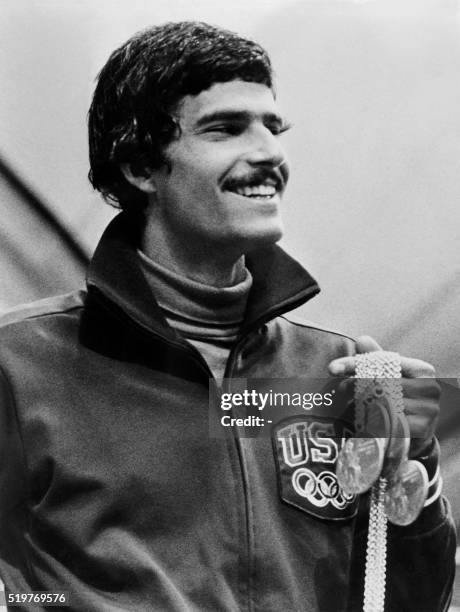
[(359, 464), (375, 416), (407, 493), (360, 461)]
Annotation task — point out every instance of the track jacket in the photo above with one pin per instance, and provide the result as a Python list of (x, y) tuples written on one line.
[(113, 490)]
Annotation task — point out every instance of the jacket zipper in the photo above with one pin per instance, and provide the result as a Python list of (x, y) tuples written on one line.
[(229, 369), (196, 356)]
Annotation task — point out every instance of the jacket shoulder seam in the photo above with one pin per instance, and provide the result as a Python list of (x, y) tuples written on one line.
[(299, 322), (21, 314)]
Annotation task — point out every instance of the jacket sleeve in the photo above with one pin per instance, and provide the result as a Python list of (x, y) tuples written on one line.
[(420, 561), (13, 494)]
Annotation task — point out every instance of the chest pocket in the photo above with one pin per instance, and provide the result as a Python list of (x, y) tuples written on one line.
[(306, 450)]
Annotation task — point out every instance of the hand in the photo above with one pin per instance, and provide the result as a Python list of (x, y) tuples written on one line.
[(420, 389)]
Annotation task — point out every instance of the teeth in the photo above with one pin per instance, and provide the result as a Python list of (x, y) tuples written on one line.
[(256, 191)]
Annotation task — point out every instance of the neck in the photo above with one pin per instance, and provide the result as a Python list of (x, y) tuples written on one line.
[(201, 262)]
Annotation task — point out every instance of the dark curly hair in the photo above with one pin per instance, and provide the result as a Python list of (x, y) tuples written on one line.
[(130, 119)]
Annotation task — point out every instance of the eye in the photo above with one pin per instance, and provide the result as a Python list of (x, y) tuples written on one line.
[(227, 129), (279, 128)]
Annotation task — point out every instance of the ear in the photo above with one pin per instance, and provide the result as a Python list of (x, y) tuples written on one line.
[(144, 180)]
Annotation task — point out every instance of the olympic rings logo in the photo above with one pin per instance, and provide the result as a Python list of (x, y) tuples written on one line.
[(320, 489)]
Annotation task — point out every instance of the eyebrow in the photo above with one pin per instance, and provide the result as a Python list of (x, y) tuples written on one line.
[(230, 115)]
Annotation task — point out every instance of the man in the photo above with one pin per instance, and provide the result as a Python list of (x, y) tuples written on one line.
[(112, 488)]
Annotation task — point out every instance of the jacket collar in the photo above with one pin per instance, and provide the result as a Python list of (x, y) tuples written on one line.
[(280, 283)]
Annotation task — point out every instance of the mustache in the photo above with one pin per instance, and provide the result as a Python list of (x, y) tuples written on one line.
[(256, 177)]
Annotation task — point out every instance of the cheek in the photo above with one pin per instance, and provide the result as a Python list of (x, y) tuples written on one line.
[(203, 163), (191, 181)]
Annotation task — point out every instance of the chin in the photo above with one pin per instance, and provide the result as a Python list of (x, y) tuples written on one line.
[(263, 237)]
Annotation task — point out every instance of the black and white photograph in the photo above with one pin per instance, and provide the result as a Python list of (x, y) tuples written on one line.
[(230, 305)]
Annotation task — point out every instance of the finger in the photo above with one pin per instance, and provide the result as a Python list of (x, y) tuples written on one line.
[(416, 368), (421, 436), (422, 415), (346, 366), (367, 344), (420, 389)]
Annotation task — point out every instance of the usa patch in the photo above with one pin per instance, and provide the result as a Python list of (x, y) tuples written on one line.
[(306, 450)]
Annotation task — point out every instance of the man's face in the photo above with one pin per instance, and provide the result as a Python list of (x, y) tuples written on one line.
[(227, 170)]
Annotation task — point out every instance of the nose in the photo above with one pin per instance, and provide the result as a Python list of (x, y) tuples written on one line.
[(266, 148)]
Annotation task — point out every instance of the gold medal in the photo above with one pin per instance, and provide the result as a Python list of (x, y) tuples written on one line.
[(406, 494), (359, 464), (361, 459)]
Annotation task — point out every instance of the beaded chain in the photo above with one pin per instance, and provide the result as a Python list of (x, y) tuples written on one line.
[(386, 367), (376, 553)]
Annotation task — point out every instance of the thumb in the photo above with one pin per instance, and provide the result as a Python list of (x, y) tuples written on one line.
[(366, 344)]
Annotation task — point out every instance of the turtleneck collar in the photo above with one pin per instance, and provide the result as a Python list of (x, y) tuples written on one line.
[(280, 283), (196, 309)]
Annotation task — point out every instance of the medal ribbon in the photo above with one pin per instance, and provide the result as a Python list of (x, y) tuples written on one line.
[(385, 366)]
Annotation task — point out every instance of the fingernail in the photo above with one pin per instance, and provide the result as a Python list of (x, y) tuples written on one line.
[(337, 369)]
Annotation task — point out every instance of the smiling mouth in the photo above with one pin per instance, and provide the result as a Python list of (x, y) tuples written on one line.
[(256, 192), (258, 184), (260, 191)]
